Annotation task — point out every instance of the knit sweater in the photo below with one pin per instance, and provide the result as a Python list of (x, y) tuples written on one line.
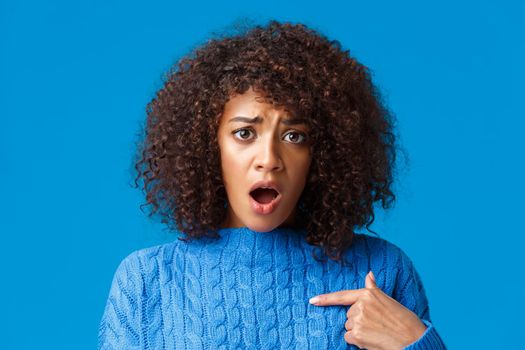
[(250, 290)]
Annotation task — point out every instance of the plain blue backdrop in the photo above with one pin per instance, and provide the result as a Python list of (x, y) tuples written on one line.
[(75, 78)]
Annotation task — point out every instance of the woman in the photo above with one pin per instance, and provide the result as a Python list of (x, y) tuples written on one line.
[(267, 149)]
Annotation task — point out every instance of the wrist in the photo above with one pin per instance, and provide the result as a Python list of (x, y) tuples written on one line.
[(415, 334)]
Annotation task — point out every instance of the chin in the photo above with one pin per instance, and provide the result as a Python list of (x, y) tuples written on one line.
[(262, 227)]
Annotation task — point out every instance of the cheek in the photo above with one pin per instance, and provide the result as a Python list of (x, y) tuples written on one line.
[(230, 164), (304, 166), (300, 174)]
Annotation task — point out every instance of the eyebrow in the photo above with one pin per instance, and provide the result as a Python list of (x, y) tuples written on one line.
[(258, 120)]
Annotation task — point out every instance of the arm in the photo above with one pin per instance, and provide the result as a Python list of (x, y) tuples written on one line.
[(410, 292), (120, 324)]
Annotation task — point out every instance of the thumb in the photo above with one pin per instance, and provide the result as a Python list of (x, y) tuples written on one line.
[(370, 280)]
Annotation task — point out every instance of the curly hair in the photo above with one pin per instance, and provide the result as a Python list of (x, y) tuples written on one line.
[(353, 143)]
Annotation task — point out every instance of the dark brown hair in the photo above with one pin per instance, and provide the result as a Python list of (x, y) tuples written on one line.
[(353, 144)]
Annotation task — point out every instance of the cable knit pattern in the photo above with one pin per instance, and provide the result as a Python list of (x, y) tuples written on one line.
[(250, 290)]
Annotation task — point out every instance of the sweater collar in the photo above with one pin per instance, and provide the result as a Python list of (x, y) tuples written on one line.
[(246, 236)]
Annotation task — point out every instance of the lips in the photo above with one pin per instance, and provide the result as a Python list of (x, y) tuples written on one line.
[(265, 196)]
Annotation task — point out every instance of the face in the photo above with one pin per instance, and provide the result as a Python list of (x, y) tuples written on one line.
[(260, 143)]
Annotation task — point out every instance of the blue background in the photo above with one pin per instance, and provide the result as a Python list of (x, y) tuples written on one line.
[(75, 78)]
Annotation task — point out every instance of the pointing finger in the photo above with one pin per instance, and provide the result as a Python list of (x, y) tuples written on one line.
[(343, 297)]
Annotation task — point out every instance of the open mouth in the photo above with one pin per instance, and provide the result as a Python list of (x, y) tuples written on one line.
[(264, 195)]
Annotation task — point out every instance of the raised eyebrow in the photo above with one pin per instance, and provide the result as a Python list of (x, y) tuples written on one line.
[(258, 120), (293, 121)]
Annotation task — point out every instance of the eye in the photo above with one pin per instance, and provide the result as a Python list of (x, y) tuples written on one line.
[(242, 132), (297, 135)]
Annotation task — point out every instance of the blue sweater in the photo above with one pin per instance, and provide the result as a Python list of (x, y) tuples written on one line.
[(250, 290)]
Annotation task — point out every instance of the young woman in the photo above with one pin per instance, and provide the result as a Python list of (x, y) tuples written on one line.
[(266, 150)]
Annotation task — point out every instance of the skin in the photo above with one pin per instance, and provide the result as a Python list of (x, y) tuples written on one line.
[(265, 150), (271, 150), (375, 321)]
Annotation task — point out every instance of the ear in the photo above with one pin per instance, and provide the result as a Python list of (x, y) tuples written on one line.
[(370, 280)]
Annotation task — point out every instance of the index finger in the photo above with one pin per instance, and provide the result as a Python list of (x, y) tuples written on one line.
[(342, 297)]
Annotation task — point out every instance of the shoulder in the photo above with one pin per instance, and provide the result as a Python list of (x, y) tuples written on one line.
[(387, 260), (379, 248), (146, 264), (154, 254)]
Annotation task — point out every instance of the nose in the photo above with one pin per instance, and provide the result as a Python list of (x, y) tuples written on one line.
[(268, 155)]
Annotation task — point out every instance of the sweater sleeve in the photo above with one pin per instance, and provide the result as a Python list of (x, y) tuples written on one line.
[(120, 326), (410, 292)]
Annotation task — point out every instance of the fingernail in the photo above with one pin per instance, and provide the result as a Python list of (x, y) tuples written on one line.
[(314, 300), (372, 275)]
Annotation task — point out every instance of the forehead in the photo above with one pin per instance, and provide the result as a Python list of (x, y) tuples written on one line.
[(251, 104)]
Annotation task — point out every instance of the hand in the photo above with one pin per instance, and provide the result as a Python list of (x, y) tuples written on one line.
[(375, 321)]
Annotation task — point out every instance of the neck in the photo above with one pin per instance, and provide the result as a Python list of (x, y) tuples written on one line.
[(231, 221)]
